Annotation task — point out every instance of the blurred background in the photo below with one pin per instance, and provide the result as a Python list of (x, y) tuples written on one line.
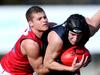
[(48, 2), (13, 23)]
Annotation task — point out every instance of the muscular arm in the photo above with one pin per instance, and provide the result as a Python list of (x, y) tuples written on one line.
[(32, 50), (53, 49), (94, 23)]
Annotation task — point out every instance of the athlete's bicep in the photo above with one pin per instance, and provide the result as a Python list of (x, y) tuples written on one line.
[(53, 49), (32, 52)]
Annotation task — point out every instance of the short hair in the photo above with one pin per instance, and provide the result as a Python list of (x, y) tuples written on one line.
[(33, 9)]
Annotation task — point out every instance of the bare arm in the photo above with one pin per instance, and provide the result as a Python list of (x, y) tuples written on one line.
[(94, 23), (32, 50), (53, 49)]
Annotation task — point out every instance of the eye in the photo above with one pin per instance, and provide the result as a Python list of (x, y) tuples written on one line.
[(39, 18), (44, 17)]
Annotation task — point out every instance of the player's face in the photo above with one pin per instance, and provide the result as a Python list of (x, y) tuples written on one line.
[(39, 21), (73, 37)]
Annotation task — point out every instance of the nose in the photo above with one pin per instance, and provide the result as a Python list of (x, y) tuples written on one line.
[(75, 38), (44, 20)]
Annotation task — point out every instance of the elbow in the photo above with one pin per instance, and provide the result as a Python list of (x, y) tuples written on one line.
[(47, 64)]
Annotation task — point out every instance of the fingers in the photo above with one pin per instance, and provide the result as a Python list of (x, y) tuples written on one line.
[(77, 65), (86, 59), (82, 60), (74, 61)]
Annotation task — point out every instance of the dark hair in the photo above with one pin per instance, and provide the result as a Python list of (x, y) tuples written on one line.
[(33, 9), (77, 24)]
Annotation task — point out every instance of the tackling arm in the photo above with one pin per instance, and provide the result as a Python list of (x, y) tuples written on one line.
[(32, 50), (94, 23), (52, 51)]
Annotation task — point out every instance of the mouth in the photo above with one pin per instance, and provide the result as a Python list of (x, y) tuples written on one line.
[(46, 24), (73, 43)]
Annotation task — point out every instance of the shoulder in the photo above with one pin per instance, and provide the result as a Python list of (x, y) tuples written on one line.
[(54, 41), (29, 42), (59, 29), (52, 24), (54, 37), (29, 46)]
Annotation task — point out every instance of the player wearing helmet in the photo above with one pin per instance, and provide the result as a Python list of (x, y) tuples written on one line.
[(76, 24), (74, 31)]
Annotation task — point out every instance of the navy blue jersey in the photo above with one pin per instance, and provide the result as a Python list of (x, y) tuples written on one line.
[(61, 31), (63, 34)]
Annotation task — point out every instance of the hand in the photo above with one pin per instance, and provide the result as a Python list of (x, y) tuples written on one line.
[(87, 61), (77, 65)]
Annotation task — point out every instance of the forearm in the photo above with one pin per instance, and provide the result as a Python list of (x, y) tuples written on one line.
[(38, 66), (57, 66), (43, 69), (60, 67), (95, 19), (94, 23)]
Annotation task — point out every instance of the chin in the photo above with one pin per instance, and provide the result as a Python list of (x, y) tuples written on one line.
[(45, 29), (72, 43)]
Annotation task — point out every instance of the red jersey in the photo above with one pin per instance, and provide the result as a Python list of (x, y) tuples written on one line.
[(15, 62)]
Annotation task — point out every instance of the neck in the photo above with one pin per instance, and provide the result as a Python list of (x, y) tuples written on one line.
[(38, 33)]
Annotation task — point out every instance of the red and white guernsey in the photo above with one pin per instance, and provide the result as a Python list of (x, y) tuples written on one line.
[(15, 62)]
